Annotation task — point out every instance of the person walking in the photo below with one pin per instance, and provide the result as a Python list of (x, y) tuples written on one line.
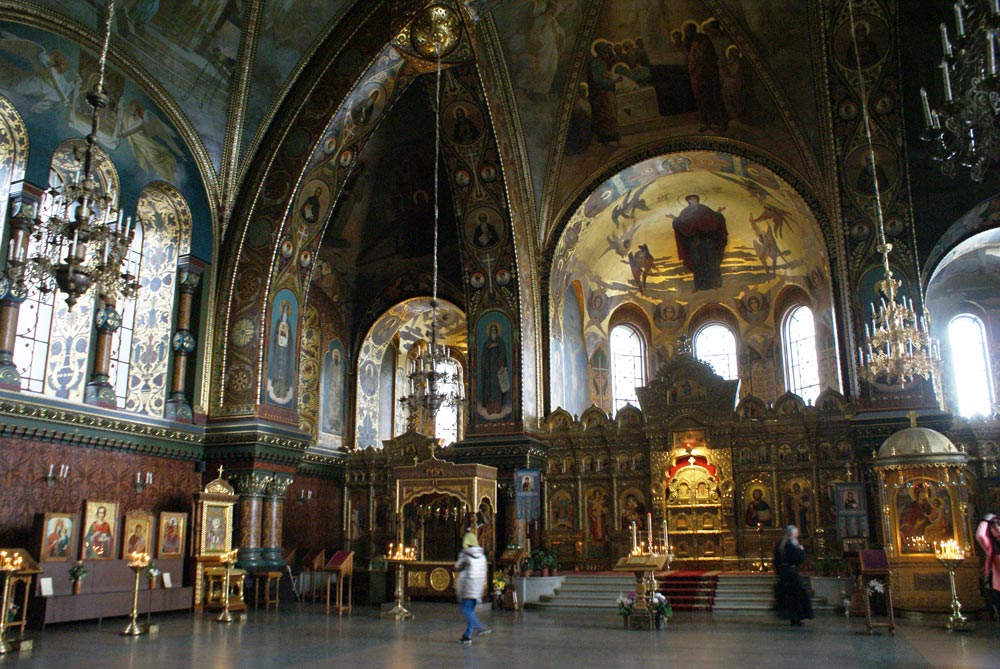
[(470, 580), (792, 599), (988, 536)]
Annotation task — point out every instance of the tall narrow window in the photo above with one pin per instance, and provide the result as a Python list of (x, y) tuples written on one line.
[(121, 340), (446, 422), (970, 359), (715, 344), (801, 362), (628, 368)]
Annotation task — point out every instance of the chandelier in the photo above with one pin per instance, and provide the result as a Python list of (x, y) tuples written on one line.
[(897, 345), (78, 239), (433, 377), (964, 132)]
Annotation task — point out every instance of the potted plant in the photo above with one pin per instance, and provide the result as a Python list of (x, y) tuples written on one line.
[(540, 561), (527, 565), (77, 573), (553, 562), (499, 586)]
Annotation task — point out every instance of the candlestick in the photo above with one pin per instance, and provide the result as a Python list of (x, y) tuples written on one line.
[(946, 80), (945, 44), (925, 103), (959, 21), (991, 54)]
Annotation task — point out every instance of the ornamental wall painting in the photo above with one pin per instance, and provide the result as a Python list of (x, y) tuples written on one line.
[(282, 358), (652, 73), (166, 236), (13, 148), (682, 231), (309, 370), (494, 368), (332, 390)]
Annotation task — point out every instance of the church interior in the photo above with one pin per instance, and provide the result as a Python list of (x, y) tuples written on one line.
[(648, 276)]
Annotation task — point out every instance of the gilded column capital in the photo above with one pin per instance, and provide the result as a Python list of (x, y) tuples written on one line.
[(252, 484), (278, 485)]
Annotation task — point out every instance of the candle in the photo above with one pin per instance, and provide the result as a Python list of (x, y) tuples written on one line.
[(945, 44), (991, 54), (634, 537), (149, 478), (959, 21), (925, 103), (138, 477), (665, 542), (649, 526), (946, 80), (995, 7), (51, 467)]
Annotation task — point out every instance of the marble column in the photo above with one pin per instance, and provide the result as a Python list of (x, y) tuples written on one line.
[(252, 489), (99, 390), (178, 405), (273, 511)]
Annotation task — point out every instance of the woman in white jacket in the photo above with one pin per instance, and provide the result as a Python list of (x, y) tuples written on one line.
[(469, 584)]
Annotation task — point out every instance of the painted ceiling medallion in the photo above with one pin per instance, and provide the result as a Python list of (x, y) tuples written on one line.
[(436, 32)]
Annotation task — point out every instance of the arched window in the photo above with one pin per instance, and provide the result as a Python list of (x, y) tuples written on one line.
[(970, 359), (798, 335), (715, 344), (628, 365), (448, 418), (121, 340)]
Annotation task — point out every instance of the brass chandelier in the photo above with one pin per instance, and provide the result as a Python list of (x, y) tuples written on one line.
[(964, 132), (897, 345), (431, 375), (75, 238)]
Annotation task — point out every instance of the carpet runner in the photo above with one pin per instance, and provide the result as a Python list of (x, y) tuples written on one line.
[(689, 590)]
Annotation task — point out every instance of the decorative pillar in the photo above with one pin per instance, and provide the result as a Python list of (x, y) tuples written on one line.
[(273, 511), (99, 389), (178, 406), (252, 488), (23, 209)]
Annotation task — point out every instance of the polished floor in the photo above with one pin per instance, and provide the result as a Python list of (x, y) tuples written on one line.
[(303, 636)]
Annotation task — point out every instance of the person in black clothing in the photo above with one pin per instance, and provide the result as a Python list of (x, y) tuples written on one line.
[(791, 599)]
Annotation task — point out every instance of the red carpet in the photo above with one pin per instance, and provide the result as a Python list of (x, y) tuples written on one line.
[(689, 590)]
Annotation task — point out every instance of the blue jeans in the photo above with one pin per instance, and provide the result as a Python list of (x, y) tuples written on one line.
[(468, 607)]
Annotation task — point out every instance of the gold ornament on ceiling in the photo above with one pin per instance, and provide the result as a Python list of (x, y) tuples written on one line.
[(437, 32)]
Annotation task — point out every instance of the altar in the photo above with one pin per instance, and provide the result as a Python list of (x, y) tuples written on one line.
[(435, 501)]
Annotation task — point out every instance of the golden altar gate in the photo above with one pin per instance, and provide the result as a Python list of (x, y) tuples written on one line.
[(435, 500)]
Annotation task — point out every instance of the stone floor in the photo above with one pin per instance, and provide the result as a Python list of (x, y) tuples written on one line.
[(303, 636)]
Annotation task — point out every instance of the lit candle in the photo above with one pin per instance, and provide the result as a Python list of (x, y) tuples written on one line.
[(959, 21), (946, 80), (925, 103), (945, 44)]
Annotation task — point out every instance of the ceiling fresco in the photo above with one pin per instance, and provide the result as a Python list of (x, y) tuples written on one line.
[(674, 233), (190, 47), (46, 77)]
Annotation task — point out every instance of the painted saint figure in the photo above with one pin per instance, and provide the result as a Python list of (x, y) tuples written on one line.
[(701, 237), (601, 86), (495, 377), (310, 208), (137, 540), (703, 70), (171, 538), (758, 511), (99, 541), (282, 365), (797, 502)]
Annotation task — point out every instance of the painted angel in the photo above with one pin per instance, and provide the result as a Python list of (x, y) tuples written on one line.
[(152, 141), (42, 77)]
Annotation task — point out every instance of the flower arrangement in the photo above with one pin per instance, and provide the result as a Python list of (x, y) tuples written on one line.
[(77, 572), (658, 603), (151, 571), (626, 603), (876, 586), (499, 582)]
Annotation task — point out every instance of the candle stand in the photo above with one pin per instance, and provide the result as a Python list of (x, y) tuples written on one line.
[(950, 555), (9, 565), (137, 562), (228, 559), (399, 558)]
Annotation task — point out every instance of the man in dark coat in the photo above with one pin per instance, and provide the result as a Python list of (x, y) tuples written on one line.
[(791, 598)]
